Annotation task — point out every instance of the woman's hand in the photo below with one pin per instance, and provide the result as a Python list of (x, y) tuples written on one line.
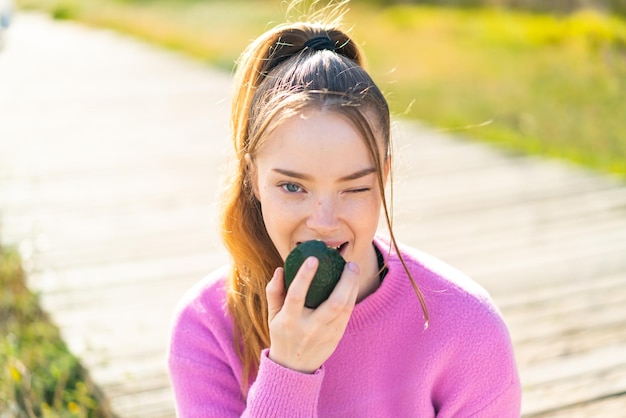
[(303, 339)]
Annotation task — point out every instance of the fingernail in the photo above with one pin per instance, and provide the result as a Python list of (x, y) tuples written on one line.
[(311, 261), (353, 267)]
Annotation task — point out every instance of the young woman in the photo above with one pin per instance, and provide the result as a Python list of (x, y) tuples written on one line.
[(402, 334)]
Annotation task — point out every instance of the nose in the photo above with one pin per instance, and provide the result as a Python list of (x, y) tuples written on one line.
[(323, 217)]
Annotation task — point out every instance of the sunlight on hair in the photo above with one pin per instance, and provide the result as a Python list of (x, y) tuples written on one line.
[(329, 13)]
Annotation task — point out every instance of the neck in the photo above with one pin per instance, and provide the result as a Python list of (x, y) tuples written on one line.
[(370, 280)]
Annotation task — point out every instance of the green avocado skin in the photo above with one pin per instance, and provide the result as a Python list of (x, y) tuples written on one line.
[(329, 270)]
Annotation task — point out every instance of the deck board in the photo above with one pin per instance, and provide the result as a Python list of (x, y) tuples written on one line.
[(111, 198)]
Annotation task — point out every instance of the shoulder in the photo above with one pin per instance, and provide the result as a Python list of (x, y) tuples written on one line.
[(432, 274), (474, 356), (202, 358), (201, 316), (207, 294), (455, 302)]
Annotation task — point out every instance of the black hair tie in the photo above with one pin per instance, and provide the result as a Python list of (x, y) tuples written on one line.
[(320, 43)]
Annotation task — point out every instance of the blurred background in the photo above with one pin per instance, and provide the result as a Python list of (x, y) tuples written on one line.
[(511, 132)]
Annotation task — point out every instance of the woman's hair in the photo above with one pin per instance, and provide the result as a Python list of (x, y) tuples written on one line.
[(287, 70)]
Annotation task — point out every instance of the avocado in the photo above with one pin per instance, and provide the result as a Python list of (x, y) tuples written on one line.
[(328, 272)]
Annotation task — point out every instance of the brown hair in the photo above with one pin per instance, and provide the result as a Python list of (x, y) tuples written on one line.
[(278, 76)]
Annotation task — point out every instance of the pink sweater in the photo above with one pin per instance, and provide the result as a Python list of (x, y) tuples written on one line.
[(386, 365)]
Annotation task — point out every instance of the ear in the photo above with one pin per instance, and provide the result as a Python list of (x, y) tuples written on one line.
[(252, 177)]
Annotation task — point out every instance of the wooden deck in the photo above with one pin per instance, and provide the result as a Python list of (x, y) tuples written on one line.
[(110, 154)]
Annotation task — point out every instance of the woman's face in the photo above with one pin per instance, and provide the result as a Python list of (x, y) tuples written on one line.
[(315, 180)]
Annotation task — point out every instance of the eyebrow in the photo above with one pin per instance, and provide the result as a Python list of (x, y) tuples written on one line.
[(302, 176)]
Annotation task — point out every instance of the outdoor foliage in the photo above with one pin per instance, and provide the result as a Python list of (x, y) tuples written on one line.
[(551, 6), (38, 377), (539, 84)]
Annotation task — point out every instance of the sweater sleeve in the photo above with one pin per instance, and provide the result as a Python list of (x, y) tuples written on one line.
[(202, 390), (278, 391), (205, 370)]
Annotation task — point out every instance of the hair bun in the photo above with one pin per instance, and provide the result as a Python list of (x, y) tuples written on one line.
[(320, 43)]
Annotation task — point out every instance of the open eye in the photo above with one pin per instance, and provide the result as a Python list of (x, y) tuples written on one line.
[(291, 187)]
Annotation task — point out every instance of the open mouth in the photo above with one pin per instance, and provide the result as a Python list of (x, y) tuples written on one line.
[(341, 248)]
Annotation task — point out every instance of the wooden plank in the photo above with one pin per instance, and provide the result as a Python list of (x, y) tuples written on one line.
[(575, 379), (157, 403), (96, 277), (557, 237), (68, 227), (526, 273), (522, 306), (564, 333), (551, 322), (610, 406), (596, 205)]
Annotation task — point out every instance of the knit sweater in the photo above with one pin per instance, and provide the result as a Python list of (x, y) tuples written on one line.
[(386, 364)]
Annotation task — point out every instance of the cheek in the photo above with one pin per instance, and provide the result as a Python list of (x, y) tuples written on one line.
[(362, 214), (281, 217)]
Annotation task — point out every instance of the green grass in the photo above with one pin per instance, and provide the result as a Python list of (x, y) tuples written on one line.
[(532, 83), (38, 377), (542, 84)]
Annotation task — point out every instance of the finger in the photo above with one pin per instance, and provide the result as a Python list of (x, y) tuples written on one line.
[(296, 294), (275, 292), (355, 278)]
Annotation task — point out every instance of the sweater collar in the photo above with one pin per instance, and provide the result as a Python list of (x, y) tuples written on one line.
[(380, 305)]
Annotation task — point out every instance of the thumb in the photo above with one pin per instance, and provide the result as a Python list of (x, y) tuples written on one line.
[(275, 293)]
